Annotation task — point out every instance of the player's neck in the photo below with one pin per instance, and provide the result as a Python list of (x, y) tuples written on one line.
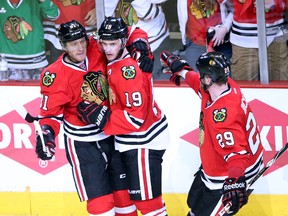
[(216, 90), (124, 53), (121, 55)]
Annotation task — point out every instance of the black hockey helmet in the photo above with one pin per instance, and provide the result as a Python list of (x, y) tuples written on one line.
[(71, 31), (214, 64), (113, 28)]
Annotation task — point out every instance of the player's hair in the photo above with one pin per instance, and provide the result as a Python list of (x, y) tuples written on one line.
[(113, 28), (214, 64), (71, 31)]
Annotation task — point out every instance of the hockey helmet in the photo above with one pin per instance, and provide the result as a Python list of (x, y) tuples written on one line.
[(113, 28), (214, 64), (71, 31)]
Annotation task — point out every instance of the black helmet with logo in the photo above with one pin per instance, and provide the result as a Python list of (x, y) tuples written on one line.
[(214, 64), (71, 31), (113, 28)]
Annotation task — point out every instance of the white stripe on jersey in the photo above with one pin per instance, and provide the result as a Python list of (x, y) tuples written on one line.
[(216, 182), (135, 122), (85, 133), (155, 137), (243, 152)]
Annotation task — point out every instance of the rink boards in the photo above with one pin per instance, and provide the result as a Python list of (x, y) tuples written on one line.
[(30, 187)]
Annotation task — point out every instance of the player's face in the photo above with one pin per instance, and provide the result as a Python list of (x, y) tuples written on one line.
[(77, 50), (111, 48), (206, 82)]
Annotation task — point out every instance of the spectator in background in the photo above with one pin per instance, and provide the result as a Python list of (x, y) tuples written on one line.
[(149, 16), (195, 17), (244, 39), (84, 11), (22, 36)]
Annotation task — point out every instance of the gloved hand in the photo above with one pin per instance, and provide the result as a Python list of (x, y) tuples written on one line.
[(140, 51), (92, 113), (49, 142), (234, 192), (175, 64)]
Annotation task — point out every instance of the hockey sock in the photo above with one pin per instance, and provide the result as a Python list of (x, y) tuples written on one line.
[(123, 204), (151, 207), (101, 206)]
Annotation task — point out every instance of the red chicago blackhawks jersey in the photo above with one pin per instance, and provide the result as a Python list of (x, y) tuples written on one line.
[(244, 30), (64, 85), (61, 84), (228, 134), (136, 120), (199, 20)]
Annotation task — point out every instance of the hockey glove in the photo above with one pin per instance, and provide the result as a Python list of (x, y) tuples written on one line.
[(140, 51), (49, 143), (235, 193), (175, 64), (92, 113)]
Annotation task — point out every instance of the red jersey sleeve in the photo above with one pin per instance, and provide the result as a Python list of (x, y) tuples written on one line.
[(192, 78), (135, 34), (54, 95)]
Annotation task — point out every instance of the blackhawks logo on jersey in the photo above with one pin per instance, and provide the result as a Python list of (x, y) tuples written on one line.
[(72, 2), (16, 28), (95, 87), (203, 8), (220, 115), (125, 10), (48, 78), (128, 72)]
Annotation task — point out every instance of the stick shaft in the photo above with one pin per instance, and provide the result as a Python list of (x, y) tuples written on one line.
[(268, 165)]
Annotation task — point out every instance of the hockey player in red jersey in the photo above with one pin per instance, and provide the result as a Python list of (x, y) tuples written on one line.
[(139, 126), (230, 146), (97, 169)]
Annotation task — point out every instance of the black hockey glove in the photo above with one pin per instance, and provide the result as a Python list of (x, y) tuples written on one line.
[(234, 192), (140, 51), (175, 64), (92, 113), (48, 152)]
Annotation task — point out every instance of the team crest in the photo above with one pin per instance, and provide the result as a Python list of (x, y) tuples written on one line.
[(128, 72), (48, 78), (95, 87), (126, 11), (220, 115), (16, 29)]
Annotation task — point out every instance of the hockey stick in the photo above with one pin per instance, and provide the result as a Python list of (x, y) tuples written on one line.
[(21, 110), (226, 208)]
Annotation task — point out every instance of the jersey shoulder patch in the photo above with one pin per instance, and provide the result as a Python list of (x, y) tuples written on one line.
[(128, 72), (48, 78), (219, 115)]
